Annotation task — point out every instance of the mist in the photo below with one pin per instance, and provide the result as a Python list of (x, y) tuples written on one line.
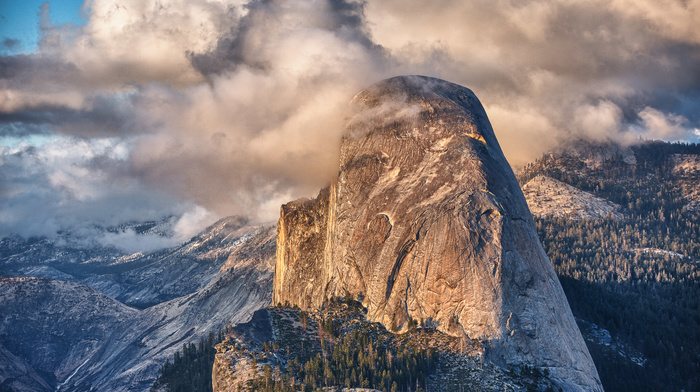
[(214, 108)]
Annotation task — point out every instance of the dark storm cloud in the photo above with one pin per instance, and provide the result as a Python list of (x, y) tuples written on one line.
[(22, 69), (589, 44), (20, 128), (10, 43), (104, 116), (242, 44)]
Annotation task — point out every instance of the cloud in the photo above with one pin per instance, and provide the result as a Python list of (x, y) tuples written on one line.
[(9, 43), (267, 122), (274, 32), (552, 60), (658, 125), (191, 223), (98, 116), (78, 185), (221, 107), (237, 138), (600, 122), (131, 242)]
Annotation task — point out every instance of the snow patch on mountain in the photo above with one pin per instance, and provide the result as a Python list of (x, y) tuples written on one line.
[(663, 253), (601, 336)]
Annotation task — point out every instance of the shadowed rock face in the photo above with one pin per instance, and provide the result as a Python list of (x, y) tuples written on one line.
[(426, 221)]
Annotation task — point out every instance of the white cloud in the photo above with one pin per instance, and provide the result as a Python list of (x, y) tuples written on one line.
[(599, 122), (130, 242), (192, 222), (71, 184), (658, 125)]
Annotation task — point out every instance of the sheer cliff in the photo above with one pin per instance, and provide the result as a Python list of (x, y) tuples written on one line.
[(426, 221)]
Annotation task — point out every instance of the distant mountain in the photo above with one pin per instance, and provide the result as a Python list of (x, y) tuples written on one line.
[(140, 279), (86, 246), (165, 275), (78, 329), (55, 326), (632, 280)]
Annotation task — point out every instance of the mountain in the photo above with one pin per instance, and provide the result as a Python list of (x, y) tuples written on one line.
[(632, 281), (139, 280), (55, 326), (170, 274), (74, 334), (548, 197), (284, 349), (426, 221)]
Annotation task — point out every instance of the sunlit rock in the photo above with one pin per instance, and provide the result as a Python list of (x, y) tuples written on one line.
[(426, 221)]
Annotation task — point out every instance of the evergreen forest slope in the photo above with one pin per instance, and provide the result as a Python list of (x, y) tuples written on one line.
[(632, 283)]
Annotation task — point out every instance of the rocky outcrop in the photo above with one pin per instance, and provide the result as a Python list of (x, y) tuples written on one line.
[(17, 375), (301, 251), (426, 221), (550, 198), (288, 340), (686, 168)]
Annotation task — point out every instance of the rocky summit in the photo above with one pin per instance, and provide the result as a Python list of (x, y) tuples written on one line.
[(426, 223)]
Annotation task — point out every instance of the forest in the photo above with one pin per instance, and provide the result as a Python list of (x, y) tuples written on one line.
[(345, 351), (190, 369), (353, 361), (639, 277)]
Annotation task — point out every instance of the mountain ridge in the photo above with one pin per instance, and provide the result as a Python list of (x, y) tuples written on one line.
[(133, 343)]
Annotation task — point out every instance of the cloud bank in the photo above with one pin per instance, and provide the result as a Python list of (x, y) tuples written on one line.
[(220, 107)]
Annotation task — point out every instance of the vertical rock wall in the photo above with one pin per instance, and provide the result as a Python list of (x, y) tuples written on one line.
[(301, 243)]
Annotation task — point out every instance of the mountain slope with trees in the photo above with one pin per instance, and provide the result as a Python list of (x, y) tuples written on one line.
[(637, 278), (288, 349)]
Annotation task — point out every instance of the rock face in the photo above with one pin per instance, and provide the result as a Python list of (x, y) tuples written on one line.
[(687, 168), (426, 221), (550, 198)]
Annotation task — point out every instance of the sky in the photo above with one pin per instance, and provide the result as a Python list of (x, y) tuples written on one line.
[(120, 110), (19, 22)]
